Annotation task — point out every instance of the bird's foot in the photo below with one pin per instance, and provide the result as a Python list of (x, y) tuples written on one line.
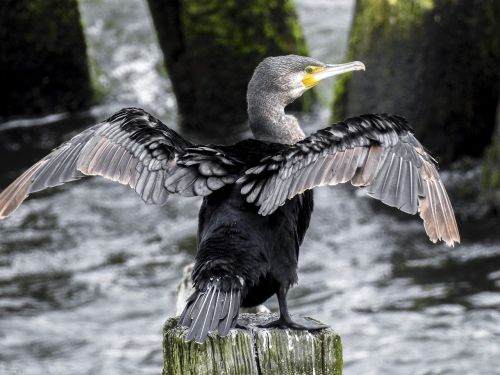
[(241, 326), (299, 324)]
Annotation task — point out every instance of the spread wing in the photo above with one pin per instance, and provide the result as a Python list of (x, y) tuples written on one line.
[(378, 152), (135, 149)]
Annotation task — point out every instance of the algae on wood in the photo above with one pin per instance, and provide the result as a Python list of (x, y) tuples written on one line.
[(436, 62), (253, 351), (491, 167), (211, 49), (43, 60)]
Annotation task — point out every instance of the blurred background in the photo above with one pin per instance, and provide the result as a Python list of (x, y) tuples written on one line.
[(88, 273)]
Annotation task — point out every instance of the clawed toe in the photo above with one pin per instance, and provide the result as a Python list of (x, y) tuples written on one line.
[(304, 325), (242, 326), (308, 325), (273, 324)]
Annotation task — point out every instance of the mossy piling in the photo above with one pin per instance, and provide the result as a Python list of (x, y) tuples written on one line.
[(43, 59), (211, 49), (434, 62), (491, 167), (253, 351)]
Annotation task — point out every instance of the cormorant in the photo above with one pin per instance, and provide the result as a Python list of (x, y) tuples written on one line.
[(257, 193)]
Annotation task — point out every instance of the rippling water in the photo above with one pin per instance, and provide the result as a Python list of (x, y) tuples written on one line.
[(88, 273)]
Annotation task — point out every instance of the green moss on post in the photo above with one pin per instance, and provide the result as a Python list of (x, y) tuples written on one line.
[(432, 61), (255, 351), (491, 167), (211, 49), (43, 61), (213, 357)]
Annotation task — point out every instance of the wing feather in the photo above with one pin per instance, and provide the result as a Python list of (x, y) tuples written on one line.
[(327, 170), (367, 171), (378, 152), (135, 149)]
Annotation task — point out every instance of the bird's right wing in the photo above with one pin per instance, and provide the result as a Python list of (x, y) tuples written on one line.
[(135, 149), (378, 152)]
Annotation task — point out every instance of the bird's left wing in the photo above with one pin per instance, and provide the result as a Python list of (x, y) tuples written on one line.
[(378, 152), (132, 148)]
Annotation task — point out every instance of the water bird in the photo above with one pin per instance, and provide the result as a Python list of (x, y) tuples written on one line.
[(257, 193)]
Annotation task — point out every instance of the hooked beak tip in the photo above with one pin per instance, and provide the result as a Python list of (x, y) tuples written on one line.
[(337, 69), (351, 66), (360, 65)]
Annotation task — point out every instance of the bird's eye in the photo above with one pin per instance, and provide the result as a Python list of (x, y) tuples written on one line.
[(308, 70)]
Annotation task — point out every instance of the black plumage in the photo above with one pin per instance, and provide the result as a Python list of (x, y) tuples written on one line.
[(257, 193), (241, 253)]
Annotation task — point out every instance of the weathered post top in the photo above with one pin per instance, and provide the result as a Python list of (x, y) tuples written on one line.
[(253, 351)]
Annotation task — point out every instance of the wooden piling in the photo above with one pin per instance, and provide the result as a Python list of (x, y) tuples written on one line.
[(211, 49), (253, 351), (433, 62), (43, 58)]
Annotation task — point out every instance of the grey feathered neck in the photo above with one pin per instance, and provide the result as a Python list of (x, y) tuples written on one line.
[(276, 82), (269, 122)]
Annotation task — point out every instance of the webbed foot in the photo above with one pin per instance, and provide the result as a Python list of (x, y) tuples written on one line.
[(241, 326), (298, 324)]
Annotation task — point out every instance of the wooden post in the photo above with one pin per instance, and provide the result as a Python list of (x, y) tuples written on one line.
[(433, 62), (211, 49), (43, 59), (491, 167), (255, 351)]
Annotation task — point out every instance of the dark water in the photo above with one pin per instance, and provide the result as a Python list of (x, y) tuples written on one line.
[(88, 273)]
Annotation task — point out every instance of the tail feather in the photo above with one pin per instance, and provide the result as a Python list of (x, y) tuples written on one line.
[(186, 316), (213, 309), (205, 312), (217, 312), (229, 320)]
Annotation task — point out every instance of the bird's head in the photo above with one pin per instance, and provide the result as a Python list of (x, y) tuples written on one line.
[(288, 77)]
